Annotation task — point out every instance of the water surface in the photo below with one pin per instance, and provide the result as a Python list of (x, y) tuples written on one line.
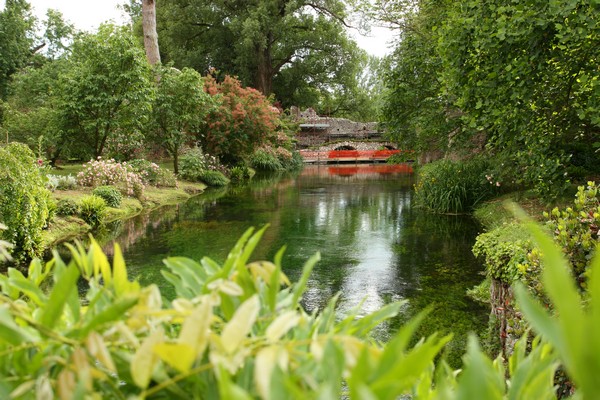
[(374, 246)]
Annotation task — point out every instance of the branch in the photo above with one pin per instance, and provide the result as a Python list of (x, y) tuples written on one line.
[(332, 14)]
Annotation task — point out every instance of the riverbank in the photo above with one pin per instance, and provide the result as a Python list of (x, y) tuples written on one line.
[(61, 229)]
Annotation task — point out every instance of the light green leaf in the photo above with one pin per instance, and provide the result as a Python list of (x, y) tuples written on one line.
[(281, 325), (178, 355), (240, 324), (145, 359), (60, 295)]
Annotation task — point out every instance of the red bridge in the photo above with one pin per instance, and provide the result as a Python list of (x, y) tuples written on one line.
[(341, 156)]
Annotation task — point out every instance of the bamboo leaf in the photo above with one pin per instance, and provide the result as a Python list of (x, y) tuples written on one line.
[(145, 359), (301, 285), (121, 282), (240, 324), (195, 330), (479, 380), (61, 293), (178, 355), (281, 325)]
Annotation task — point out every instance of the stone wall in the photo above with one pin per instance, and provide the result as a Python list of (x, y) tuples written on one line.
[(336, 129)]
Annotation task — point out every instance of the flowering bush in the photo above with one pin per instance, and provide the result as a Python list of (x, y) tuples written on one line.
[(61, 182), (243, 121), (153, 174), (109, 172), (194, 162)]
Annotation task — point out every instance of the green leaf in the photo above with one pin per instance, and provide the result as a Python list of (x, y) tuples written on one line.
[(61, 293), (10, 332), (479, 380), (301, 285), (113, 312)]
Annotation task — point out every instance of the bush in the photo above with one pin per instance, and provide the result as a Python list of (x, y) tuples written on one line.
[(241, 173), (66, 207), (152, 174), (92, 210), (110, 194), (24, 200), (447, 186), (194, 162), (61, 182), (238, 330), (243, 121), (402, 157), (213, 178), (265, 159), (109, 172)]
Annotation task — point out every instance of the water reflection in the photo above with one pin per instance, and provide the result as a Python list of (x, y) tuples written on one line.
[(375, 248)]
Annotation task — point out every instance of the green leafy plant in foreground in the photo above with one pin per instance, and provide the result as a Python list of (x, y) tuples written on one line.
[(237, 331)]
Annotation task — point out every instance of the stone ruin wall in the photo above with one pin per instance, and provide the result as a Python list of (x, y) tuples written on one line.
[(338, 128)]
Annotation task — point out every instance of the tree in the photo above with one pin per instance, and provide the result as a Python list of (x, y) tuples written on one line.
[(242, 122), (16, 40), (105, 98), (179, 109), (416, 113), (258, 41), (526, 73), (149, 28)]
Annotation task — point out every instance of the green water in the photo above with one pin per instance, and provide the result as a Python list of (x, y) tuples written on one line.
[(374, 247)]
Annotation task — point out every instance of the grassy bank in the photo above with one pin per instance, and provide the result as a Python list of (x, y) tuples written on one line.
[(65, 228)]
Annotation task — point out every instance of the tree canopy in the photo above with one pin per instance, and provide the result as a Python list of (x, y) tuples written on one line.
[(295, 49)]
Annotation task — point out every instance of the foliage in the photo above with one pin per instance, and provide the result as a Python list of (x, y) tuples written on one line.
[(244, 120), (61, 182), (24, 200), (92, 210), (447, 186), (179, 109), (16, 40), (415, 113), (297, 50), (238, 330), (4, 247), (66, 207), (505, 251), (195, 161), (402, 157), (572, 329), (265, 159), (240, 173), (111, 195), (105, 97), (213, 178), (575, 229), (152, 174), (109, 172), (521, 72)]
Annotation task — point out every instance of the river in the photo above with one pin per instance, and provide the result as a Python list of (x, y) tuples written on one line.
[(375, 248)]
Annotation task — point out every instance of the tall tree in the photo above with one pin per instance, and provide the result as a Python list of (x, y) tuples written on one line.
[(149, 28), (16, 40), (257, 40), (106, 95)]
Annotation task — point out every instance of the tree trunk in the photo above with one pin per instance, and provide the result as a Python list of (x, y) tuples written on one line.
[(150, 35), (263, 79), (176, 161)]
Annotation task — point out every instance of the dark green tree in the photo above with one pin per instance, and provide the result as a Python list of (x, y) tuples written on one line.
[(526, 73), (16, 40), (275, 46)]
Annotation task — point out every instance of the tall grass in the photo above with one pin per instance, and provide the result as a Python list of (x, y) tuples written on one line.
[(447, 186)]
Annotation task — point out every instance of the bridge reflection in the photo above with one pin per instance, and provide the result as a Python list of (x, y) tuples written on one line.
[(359, 170)]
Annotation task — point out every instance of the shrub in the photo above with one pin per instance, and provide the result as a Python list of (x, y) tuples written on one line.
[(213, 178), (24, 200), (4, 247), (243, 121), (402, 157), (61, 182), (265, 159), (576, 229), (193, 162), (447, 186), (238, 330), (92, 210), (295, 163), (110, 194), (109, 172), (153, 174), (241, 173), (66, 207)]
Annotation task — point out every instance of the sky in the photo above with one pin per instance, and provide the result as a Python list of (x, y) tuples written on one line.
[(87, 15)]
